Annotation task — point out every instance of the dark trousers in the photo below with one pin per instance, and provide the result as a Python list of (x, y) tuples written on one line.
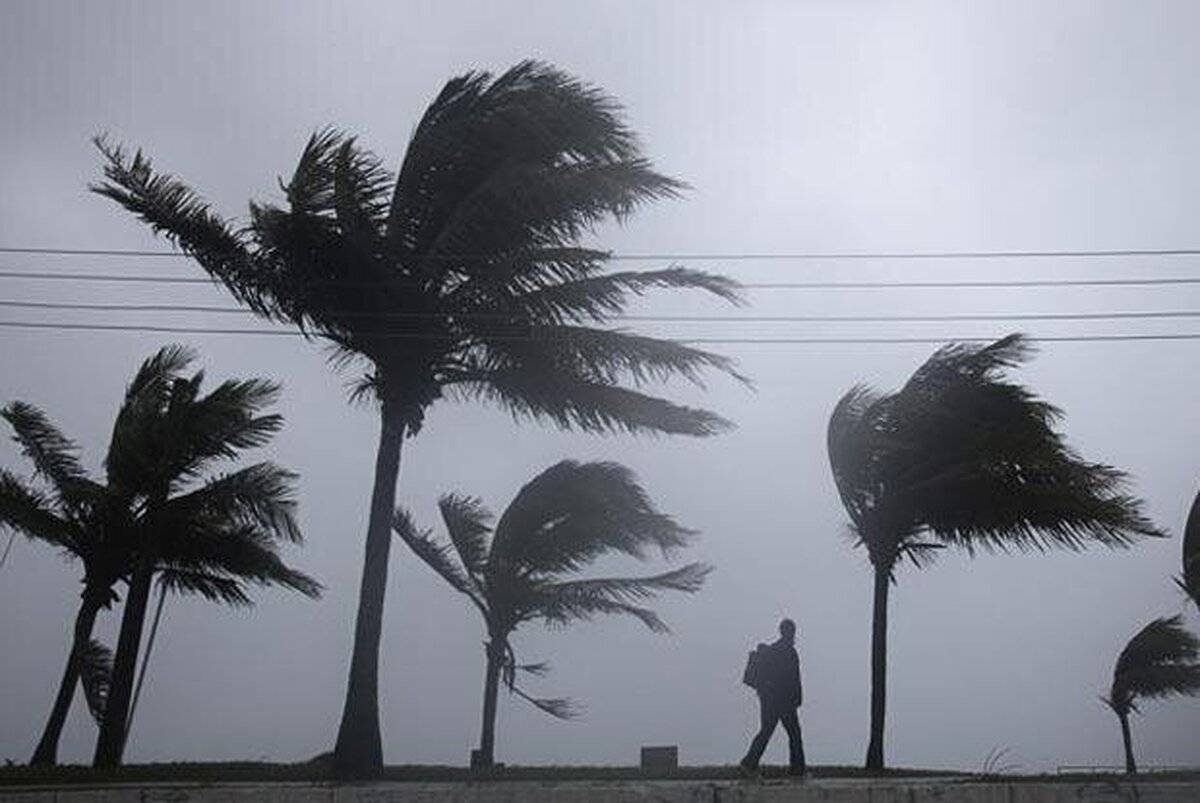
[(771, 714)]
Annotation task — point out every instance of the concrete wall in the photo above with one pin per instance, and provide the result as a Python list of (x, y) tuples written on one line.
[(825, 791)]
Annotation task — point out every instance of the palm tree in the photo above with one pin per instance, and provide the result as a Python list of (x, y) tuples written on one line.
[(1189, 581), (196, 530), (526, 568), (98, 522), (78, 516), (1161, 660), (463, 276), (962, 457)]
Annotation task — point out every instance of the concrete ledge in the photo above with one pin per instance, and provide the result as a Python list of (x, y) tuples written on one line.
[(771, 791)]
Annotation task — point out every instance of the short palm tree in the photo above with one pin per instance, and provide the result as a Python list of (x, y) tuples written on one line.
[(1162, 660), (197, 530), (1189, 581), (962, 457), (527, 568), (79, 516), (99, 522), (465, 275)]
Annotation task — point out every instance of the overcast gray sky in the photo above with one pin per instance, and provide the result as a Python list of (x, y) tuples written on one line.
[(838, 126)]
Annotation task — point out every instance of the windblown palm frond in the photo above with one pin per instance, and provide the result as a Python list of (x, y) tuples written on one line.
[(469, 524), (54, 456), (164, 410), (31, 512), (1160, 661), (563, 602), (224, 589), (260, 495), (436, 556), (565, 708), (1190, 580), (95, 675), (572, 513)]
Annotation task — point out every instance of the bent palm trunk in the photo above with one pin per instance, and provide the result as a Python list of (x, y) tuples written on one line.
[(359, 750), (110, 746), (878, 668), (491, 688), (46, 753), (1130, 764)]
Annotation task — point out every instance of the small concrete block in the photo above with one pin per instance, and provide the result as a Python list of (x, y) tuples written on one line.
[(665, 757)]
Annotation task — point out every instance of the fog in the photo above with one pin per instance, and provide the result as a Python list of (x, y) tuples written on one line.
[(801, 128)]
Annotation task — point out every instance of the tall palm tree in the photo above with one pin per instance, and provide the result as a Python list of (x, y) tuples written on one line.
[(462, 276), (99, 522), (196, 529), (527, 568), (1160, 661), (1189, 581), (960, 456)]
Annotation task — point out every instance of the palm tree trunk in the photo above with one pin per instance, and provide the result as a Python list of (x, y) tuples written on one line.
[(491, 688), (110, 746), (46, 753), (359, 751), (878, 668), (1130, 764)]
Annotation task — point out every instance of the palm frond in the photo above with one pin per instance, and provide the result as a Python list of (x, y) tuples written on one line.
[(559, 603), (152, 382), (213, 587), (54, 456), (31, 513), (590, 406), (95, 675), (922, 554), (261, 494), (563, 708), (1160, 661), (223, 423), (468, 522), (597, 297), (1190, 580), (854, 439), (599, 356), (572, 513), (243, 552), (435, 555), (174, 210), (479, 129)]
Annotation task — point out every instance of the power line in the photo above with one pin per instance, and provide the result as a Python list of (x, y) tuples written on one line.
[(1176, 336), (968, 316), (830, 285), (709, 257)]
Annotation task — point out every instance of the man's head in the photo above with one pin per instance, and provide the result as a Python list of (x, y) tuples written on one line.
[(787, 629)]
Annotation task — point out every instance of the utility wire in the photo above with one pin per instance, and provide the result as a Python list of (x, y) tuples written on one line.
[(831, 285), (968, 316), (713, 257), (524, 338)]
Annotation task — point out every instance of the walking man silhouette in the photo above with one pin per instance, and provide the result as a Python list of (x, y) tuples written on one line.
[(777, 682)]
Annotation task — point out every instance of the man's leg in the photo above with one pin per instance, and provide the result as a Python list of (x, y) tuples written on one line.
[(767, 718), (791, 724)]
